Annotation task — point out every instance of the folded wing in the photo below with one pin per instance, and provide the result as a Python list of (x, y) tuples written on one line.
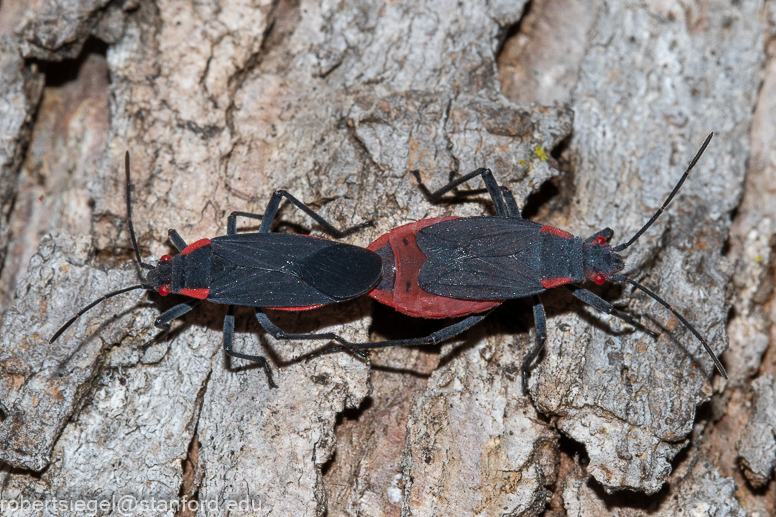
[(481, 258), (289, 270)]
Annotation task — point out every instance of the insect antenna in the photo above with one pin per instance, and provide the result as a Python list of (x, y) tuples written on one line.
[(129, 218), (142, 264), (662, 302), (660, 210), (95, 302)]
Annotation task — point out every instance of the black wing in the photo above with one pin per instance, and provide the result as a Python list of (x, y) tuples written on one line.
[(289, 270), (481, 258)]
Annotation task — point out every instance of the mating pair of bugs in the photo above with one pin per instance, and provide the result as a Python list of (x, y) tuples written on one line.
[(434, 268)]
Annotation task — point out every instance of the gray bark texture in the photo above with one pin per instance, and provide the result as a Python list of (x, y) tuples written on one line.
[(588, 111)]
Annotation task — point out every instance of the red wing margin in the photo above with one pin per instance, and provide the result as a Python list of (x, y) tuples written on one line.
[(292, 270), (481, 258)]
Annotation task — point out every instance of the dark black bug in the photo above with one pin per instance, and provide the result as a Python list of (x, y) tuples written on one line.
[(262, 270), (446, 267)]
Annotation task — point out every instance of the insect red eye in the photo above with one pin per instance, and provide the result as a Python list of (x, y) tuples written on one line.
[(599, 279), (600, 240), (165, 259), (164, 290)]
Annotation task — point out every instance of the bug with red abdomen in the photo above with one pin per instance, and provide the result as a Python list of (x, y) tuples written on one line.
[(467, 266), (261, 270)]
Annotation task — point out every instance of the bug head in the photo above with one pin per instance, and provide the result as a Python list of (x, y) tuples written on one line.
[(160, 277), (600, 261)]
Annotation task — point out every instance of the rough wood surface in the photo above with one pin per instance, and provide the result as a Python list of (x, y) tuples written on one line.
[(21, 89), (221, 103), (616, 392), (758, 439)]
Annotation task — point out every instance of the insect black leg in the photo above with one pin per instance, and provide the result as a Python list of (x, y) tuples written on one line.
[(279, 333), (229, 338), (163, 321), (176, 240), (509, 199), (540, 318), (606, 307), (432, 339), (272, 210), (231, 222), (487, 177)]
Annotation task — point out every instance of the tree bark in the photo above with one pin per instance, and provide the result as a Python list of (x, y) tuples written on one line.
[(589, 112)]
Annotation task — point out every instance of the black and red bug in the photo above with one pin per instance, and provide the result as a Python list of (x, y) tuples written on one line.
[(261, 270), (467, 266)]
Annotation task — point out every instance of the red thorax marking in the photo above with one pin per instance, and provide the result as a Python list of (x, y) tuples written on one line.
[(549, 283), (200, 294), (556, 232), (195, 246)]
